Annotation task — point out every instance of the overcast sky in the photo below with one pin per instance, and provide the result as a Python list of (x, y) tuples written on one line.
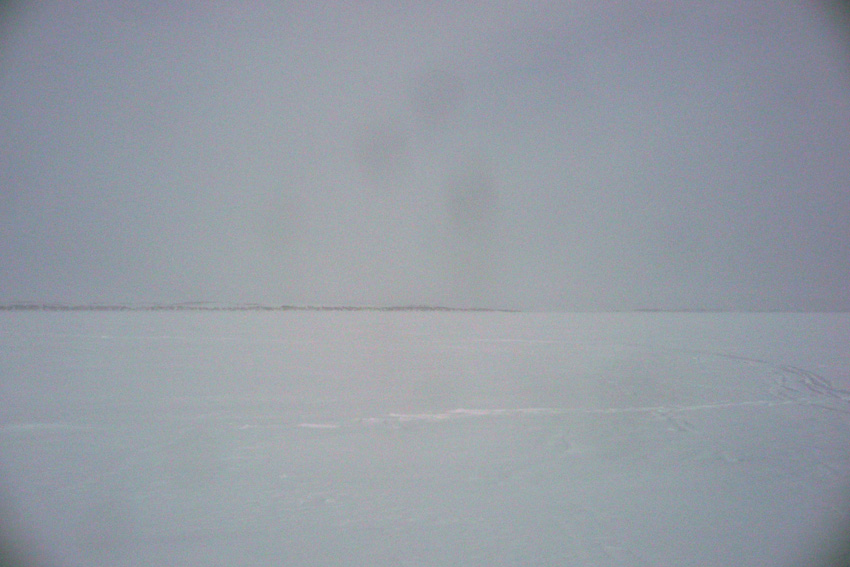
[(569, 155)]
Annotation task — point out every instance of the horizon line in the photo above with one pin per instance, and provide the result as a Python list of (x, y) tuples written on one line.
[(212, 306)]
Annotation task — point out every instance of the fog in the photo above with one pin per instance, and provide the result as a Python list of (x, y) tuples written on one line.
[(550, 157), (561, 156)]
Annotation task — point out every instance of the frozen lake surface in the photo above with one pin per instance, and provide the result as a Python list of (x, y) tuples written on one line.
[(424, 438)]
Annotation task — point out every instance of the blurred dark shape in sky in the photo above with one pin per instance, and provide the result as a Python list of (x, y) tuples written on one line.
[(438, 96), (382, 150), (472, 197)]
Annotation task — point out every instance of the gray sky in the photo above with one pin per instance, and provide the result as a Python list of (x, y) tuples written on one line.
[(569, 155)]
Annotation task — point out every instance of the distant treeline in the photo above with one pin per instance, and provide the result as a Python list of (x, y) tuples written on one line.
[(260, 307), (214, 307)]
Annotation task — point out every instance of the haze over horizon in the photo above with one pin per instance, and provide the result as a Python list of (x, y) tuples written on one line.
[(563, 156)]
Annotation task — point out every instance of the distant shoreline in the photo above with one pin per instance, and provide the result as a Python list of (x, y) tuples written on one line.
[(237, 307), (212, 307)]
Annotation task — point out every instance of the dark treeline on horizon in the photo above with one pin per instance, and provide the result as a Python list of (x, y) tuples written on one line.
[(214, 307), (201, 306)]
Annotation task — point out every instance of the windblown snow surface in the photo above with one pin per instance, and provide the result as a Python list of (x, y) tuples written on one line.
[(424, 438)]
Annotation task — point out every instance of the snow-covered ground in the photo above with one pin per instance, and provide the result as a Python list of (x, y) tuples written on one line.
[(424, 438)]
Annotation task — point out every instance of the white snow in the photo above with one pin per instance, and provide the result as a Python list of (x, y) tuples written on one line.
[(424, 438)]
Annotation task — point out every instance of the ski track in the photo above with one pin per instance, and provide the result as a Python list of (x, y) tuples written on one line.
[(451, 415), (793, 385), (40, 427)]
